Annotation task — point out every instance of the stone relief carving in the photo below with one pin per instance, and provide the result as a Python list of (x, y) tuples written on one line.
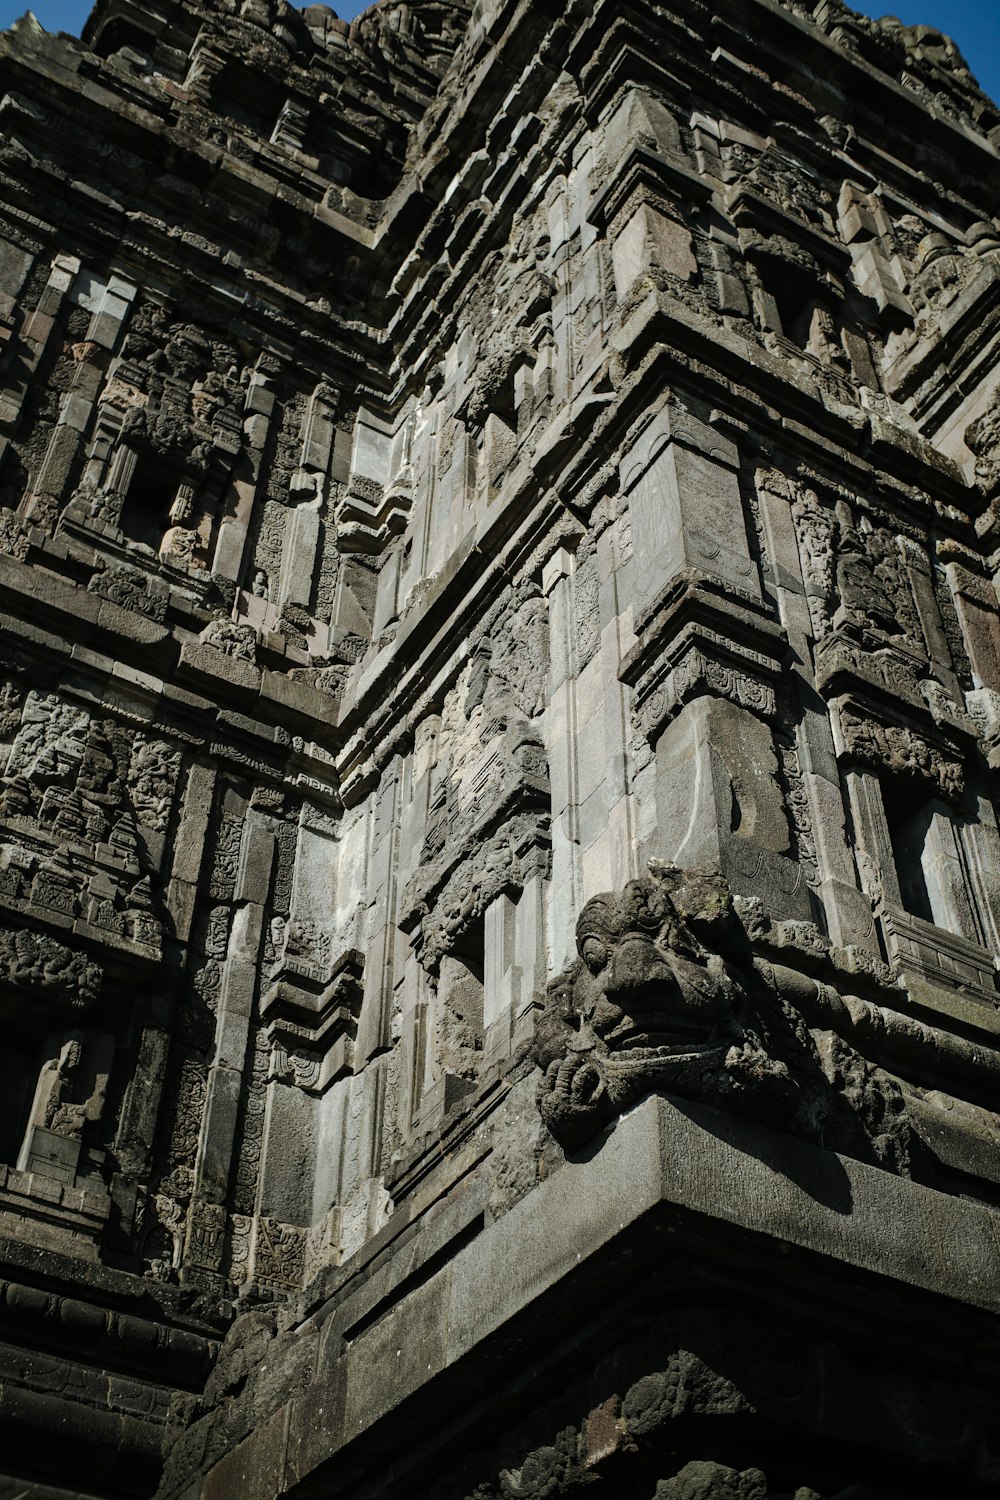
[(797, 799), (815, 529), (312, 1008), (239, 641), (162, 1232), (206, 1229), (982, 438), (154, 768), (79, 799), (172, 408), (481, 837), (941, 270), (36, 964), (586, 603), (871, 644), (984, 711), (854, 571), (14, 538), (664, 997), (903, 752), (504, 862), (778, 177), (131, 590), (511, 322), (279, 1253), (68, 1103), (68, 769), (872, 586), (696, 642), (666, 993)]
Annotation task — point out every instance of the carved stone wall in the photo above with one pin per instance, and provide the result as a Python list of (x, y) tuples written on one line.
[(499, 728)]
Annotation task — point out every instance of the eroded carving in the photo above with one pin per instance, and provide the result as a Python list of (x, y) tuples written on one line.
[(664, 997), (232, 639), (487, 826), (902, 751), (36, 964)]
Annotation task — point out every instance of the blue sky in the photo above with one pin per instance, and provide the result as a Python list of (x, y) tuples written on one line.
[(974, 24)]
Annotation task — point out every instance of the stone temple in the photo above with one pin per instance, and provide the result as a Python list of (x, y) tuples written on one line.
[(499, 738)]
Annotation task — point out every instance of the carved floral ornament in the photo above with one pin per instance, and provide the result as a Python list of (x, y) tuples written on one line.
[(901, 751), (665, 997), (34, 964), (698, 642), (695, 673)]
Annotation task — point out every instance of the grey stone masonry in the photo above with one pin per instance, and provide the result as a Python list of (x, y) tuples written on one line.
[(499, 753)]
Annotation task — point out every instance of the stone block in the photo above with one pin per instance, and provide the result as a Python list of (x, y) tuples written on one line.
[(255, 1468), (649, 241), (219, 675)]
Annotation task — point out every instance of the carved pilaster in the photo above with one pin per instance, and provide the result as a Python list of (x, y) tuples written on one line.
[(645, 204), (311, 1011)]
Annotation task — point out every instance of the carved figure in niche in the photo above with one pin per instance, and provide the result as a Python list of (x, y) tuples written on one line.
[(69, 1096), (865, 596), (855, 575), (163, 1237), (488, 815), (55, 1085), (664, 997), (822, 339), (168, 432), (814, 527), (487, 732), (512, 323), (940, 267)]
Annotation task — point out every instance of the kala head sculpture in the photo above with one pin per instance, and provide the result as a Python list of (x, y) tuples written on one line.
[(656, 1001), (665, 997)]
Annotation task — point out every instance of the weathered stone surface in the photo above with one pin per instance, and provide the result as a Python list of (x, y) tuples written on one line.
[(499, 726)]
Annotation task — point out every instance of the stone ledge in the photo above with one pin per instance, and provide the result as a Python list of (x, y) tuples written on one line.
[(664, 1169)]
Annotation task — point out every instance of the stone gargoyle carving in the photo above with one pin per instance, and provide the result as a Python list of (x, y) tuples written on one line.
[(665, 998)]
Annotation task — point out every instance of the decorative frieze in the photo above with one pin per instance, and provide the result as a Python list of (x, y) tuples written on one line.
[(700, 639), (898, 750), (34, 965)]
